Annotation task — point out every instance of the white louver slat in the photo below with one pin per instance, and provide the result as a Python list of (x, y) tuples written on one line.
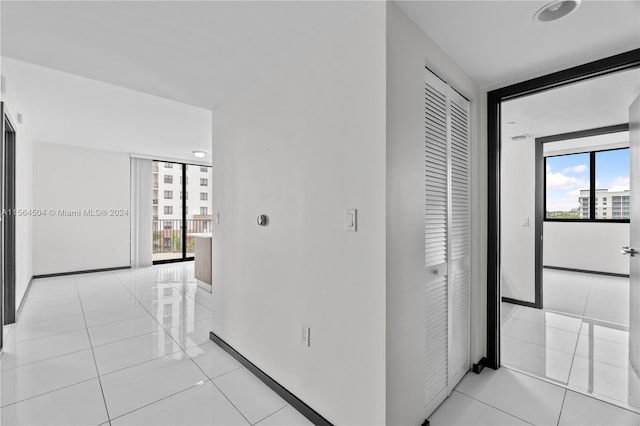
[(446, 233)]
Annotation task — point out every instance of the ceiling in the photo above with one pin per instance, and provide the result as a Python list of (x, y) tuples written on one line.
[(195, 52), (597, 102), (200, 52), (497, 42)]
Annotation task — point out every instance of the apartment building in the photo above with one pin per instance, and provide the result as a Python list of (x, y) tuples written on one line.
[(609, 204)]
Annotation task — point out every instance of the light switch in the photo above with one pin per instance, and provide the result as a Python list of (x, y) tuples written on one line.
[(351, 220), (524, 221)]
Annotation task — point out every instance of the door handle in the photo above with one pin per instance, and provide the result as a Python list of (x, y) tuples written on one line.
[(630, 251)]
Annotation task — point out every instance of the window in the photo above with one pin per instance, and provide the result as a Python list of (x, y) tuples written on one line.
[(569, 194), (567, 186), (204, 210), (173, 227)]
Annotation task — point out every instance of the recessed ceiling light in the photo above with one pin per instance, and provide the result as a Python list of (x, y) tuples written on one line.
[(555, 10), (199, 154)]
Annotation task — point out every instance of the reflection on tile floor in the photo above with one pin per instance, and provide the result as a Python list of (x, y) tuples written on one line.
[(580, 339), (508, 397), (126, 347)]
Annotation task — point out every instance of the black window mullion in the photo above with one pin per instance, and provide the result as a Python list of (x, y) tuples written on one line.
[(592, 185), (184, 211)]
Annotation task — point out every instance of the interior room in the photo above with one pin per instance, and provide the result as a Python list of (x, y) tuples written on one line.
[(566, 290), (284, 213)]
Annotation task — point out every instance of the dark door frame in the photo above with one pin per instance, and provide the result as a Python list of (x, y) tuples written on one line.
[(8, 223), (623, 61)]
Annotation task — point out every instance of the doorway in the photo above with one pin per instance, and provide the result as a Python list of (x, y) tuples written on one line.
[(7, 229), (498, 167)]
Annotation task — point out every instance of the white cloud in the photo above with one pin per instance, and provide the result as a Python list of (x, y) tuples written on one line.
[(621, 183), (562, 181), (564, 200), (581, 168), (562, 204)]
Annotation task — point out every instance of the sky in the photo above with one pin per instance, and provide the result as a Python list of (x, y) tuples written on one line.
[(568, 174)]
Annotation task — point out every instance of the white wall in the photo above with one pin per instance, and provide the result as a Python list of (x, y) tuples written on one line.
[(588, 246), (408, 51), (72, 178), (517, 202), (301, 146)]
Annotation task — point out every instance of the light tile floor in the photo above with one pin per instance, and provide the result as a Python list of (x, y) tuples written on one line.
[(580, 340), (129, 348), (508, 397), (132, 348)]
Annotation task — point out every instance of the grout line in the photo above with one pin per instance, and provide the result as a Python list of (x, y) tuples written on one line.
[(140, 363), (495, 408), (228, 372), (45, 337), (272, 414), (544, 324), (161, 399), (561, 407), (542, 346), (45, 359), (230, 402), (48, 392), (104, 399)]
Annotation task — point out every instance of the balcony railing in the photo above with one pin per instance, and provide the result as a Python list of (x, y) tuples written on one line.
[(167, 236)]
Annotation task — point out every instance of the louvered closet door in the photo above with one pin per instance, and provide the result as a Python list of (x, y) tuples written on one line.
[(446, 239), (459, 239), (436, 241)]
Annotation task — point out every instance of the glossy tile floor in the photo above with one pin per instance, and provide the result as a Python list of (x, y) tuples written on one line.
[(507, 397), (580, 340), (127, 348)]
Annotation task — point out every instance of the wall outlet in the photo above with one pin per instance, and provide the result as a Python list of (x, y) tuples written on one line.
[(306, 335)]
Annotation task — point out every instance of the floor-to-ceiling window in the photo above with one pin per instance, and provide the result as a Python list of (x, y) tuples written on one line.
[(181, 196)]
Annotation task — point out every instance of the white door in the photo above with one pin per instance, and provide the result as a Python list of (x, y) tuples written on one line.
[(633, 251), (447, 220)]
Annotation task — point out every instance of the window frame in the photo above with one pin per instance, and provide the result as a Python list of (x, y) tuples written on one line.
[(592, 187)]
